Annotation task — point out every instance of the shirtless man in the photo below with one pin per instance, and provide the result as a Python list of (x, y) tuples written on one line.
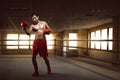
[(39, 45)]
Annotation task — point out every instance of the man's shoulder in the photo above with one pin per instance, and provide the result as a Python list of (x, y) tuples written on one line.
[(42, 21), (32, 25)]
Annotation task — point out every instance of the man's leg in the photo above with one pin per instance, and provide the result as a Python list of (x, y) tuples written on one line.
[(48, 64), (34, 62)]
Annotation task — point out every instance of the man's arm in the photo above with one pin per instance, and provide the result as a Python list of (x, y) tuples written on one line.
[(25, 26), (47, 29), (28, 30), (47, 26)]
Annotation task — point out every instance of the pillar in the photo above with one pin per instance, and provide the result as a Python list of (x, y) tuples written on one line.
[(116, 42)]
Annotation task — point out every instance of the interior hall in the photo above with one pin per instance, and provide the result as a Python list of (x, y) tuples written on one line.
[(84, 43)]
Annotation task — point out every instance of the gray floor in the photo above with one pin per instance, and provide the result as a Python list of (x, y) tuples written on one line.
[(20, 68)]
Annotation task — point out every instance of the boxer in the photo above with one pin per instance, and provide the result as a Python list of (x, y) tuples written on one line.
[(40, 29)]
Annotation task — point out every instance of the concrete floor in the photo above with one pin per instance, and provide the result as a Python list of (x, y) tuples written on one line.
[(20, 68)]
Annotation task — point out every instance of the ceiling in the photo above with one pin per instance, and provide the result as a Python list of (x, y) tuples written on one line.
[(60, 14)]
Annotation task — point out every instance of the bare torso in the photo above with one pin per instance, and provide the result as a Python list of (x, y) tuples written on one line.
[(39, 34)]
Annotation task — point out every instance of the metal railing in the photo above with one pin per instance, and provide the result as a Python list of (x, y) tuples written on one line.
[(56, 43), (58, 46)]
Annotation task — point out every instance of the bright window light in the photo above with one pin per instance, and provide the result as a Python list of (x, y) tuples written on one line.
[(110, 43), (104, 34), (64, 51), (64, 48), (104, 45), (24, 40), (12, 39), (32, 37), (50, 41), (92, 38), (110, 33), (104, 37), (64, 44), (72, 36), (97, 45)]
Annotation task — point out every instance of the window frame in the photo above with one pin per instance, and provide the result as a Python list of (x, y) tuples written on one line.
[(71, 41), (29, 42), (108, 35)]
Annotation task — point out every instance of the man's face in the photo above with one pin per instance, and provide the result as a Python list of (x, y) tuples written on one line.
[(35, 18)]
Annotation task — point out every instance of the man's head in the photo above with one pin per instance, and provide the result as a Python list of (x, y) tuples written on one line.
[(35, 18)]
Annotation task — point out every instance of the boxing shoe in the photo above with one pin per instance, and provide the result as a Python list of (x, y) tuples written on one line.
[(49, 71), (35, 73)]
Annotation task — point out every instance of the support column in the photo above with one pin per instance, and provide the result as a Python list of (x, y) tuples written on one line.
[(116, 23)]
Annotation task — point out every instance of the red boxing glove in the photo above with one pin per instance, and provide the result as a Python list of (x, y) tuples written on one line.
[(24, 24), (47, 31)]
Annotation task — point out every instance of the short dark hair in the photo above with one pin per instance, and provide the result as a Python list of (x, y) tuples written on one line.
[(34, 14)]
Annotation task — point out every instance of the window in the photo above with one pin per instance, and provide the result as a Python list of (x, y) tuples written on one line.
[(12, 41), (24, 41), (97, 45), (72, 36), (110, 43), (32, 37), (92, 38), (104, 37), (103, 34), (50, 41)]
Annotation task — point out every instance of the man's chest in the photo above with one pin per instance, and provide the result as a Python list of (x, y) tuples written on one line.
[(39, 26)]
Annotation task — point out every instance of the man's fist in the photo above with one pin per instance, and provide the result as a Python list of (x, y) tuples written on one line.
[(47, 31), (24, 24)]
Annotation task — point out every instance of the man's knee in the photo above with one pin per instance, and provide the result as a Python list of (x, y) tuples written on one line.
[(44, 57), (33, 57)]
